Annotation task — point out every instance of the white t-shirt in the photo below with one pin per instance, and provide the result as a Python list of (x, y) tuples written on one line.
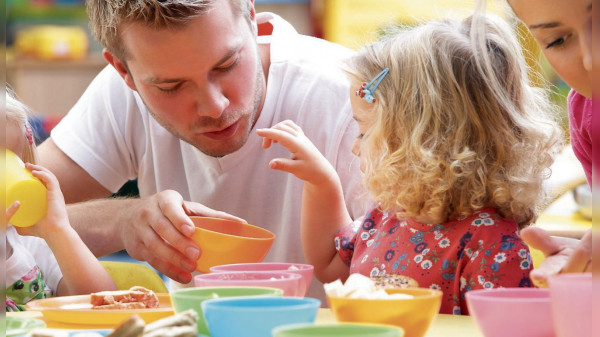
[(29, 252), (111, 134)]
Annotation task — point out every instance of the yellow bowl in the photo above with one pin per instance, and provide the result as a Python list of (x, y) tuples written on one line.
[(227, 241), (414, 315)]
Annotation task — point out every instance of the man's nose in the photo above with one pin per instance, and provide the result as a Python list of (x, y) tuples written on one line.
[(212, 102)]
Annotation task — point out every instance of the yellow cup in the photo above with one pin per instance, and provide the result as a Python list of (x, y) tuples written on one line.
[(22, 186)]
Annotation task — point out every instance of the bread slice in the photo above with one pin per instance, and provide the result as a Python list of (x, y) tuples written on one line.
[(134, 298)]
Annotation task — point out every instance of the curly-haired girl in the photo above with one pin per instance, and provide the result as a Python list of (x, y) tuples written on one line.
[(454, 144)]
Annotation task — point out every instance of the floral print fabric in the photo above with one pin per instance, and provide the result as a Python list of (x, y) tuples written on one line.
[(482, 250)]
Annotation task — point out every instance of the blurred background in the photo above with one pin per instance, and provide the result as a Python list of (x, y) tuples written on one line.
[(52, 56)]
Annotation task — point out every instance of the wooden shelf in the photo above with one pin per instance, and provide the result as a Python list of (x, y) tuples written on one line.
[(52, 87)]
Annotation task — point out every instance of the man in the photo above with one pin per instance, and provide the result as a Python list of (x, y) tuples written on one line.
[(188, 82)]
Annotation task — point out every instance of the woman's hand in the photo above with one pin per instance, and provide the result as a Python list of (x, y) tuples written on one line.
[(563, 255)]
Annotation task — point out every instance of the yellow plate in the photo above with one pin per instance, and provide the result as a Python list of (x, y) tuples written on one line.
[(78, 310)]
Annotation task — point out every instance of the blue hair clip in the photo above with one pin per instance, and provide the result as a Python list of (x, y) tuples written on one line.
[(367, 89)]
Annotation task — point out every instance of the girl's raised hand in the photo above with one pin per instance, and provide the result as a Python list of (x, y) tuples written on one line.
[(306, 162)]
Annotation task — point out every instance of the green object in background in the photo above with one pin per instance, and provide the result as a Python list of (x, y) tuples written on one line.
[(22, 9)]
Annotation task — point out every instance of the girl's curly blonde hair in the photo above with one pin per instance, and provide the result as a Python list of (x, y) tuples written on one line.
[(456, 126)]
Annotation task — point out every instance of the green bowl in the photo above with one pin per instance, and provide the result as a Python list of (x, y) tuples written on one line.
[(192, 298), (338, 330), (19, 326)]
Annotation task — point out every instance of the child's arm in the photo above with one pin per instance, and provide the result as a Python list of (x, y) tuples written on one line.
[(82, 272), (323, 209)]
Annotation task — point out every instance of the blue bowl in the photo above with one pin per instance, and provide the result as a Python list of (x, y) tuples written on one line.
[(256, 316)]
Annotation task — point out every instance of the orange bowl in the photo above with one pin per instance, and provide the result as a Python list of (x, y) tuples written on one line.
[(414, 315), (227, 241)]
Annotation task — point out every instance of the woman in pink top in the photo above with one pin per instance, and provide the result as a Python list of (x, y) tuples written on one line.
[(563, 29)]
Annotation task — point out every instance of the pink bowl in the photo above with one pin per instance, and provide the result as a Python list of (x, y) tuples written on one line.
[(571, 298), (514, 312), (288, 282), (305, 270)]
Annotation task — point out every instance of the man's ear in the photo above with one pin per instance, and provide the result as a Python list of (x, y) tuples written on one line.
[(120, 67), (253, 17)]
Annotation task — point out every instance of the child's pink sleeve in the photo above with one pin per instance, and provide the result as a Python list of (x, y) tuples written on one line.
[(344, 240)]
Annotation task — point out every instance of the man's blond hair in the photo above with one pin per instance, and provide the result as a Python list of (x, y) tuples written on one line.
[(107, 17), (456, 126)]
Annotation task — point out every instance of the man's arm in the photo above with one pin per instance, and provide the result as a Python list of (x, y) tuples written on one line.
[(155, 229), (109, 225), (76, 184)]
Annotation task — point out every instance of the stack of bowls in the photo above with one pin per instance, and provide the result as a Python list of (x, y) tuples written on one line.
[(305, 271), (288, 282), (192, 298)]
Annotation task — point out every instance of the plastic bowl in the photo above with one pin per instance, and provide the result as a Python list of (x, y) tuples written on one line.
[(288, 282), (338, 330), (256, 316), (305, 270), (571, 304), (227, 241), (192, 298), (515, 312), (414, 315)]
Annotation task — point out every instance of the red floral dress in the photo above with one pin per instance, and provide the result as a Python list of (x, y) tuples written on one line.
[(482, 250)]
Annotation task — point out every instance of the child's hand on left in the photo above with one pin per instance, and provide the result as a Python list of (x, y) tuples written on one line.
[(56, 218), (11, 210)]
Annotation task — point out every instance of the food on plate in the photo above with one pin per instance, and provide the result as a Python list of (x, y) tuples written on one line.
[(180, 325), (359, 286), (134, 298), (394, 281)]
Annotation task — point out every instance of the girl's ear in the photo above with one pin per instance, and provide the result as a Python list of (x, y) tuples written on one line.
[(120, 67)]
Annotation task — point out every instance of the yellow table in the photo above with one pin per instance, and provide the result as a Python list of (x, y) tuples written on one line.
[(562, 218), (443, 326)]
